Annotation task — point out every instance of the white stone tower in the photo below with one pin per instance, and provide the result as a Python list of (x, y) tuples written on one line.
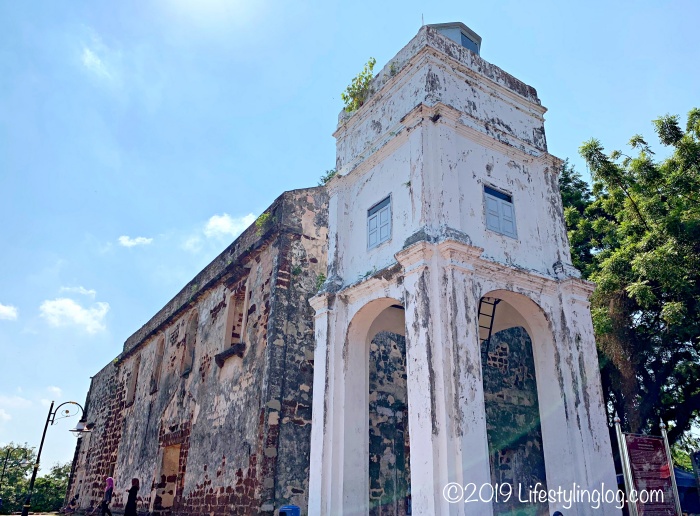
[(446, 227)]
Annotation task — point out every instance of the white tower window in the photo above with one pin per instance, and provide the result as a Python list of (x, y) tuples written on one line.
[(500, 216), (379, 223)]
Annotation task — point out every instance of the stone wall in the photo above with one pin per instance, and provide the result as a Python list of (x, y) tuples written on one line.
[(389, 451), (96, 455), (207, 423), (513, 419)]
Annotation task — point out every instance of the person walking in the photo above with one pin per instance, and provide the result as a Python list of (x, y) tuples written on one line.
[(130, 507), (107, 499)]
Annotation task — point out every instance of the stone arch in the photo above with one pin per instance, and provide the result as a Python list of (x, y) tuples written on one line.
[(190, 344), (517, 335), (380, 316)]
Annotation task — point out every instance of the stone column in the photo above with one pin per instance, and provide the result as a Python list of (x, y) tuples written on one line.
[(445, 393), (321, 455), (588, 437), (466, 408)]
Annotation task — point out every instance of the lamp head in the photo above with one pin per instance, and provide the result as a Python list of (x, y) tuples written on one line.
[(82, 427)]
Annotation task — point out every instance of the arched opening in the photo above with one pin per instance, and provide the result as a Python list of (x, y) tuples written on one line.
[(389, 447), (190, 341), (376, 473), (513, 420)]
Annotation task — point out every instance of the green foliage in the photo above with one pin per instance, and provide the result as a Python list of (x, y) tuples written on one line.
[(320, 280), (636, 234), (50, 490), (262, 223), (15, 482), (576, 197), (682, 449), (330, 174), (393, 69), (359, 89)]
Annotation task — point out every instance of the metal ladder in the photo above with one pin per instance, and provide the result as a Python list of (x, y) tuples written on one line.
[(487, 313)]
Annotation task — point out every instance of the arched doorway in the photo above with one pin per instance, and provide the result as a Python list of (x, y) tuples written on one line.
[(389, 448), (376, 478), (513, 421)]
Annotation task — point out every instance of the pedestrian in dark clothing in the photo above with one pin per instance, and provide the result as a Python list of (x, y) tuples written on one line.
[(71, 507), (109, 489), (130, 507)]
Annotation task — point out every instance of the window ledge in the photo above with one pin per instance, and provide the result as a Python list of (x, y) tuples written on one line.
[(235, 350)]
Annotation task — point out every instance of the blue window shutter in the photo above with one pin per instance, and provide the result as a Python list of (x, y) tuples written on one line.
[(372, 231), (507, 219), (492, 214), (379, 223)]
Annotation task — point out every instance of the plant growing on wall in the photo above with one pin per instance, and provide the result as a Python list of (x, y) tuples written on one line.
[(320, 280), (359, 89), (330, 174), (262, 223)]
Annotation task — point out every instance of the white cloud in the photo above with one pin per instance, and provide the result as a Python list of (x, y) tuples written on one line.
[(192, 244), (92, 62), (55, 390), (14, 402), (131, 242), (220, 226), (8, 312), (4, 416), (80, 290), (66, 312)]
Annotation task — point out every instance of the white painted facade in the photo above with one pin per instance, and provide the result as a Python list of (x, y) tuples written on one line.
[(441, 125)]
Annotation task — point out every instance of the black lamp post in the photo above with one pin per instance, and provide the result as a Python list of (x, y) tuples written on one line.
[(81, 428)]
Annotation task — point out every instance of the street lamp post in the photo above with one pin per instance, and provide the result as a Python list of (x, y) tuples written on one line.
[(81, 428)]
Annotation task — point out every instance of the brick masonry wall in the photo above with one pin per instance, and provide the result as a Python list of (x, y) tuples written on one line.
[(97, 453), (242, 424), (289, 355)]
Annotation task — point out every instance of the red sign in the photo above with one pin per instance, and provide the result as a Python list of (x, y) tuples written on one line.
[(651, 475)]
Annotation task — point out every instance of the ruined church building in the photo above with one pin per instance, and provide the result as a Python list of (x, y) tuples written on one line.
[(415, 322)]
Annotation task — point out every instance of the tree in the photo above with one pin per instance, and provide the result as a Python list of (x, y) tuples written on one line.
[(637, 236), (17, 462), (50, 490), (577, 198)]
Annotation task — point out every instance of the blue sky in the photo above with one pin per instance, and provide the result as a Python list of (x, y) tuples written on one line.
[(137, 139)]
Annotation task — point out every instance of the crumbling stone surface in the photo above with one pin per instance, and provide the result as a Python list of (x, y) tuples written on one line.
[(230, 437)]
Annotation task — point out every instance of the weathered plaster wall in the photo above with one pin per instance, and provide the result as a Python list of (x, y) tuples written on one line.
[(236, 431), (440, 125), (440, 284), (438, 130), (432, 69)]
